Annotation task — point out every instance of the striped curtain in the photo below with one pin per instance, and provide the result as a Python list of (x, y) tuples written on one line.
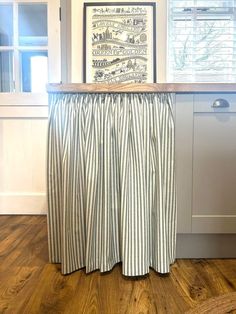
[(111, 182)]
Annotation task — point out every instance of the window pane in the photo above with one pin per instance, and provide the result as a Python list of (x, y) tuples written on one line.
[(6, 71), (34, 71), (33, 25), (202, 41), (6, 25)]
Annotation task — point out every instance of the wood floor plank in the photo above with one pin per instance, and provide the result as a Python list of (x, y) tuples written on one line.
[(52, 292), (223, 304), (25, 246), (87, 294), (109, 292), (133, 294), (168, 299), (227, 270), (6, 220), (17, 285), (213, 279), (30, 285)]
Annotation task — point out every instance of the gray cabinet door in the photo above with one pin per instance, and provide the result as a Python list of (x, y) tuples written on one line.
[(214, 165)]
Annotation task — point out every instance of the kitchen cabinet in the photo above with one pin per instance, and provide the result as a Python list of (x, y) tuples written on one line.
[(206, 163)]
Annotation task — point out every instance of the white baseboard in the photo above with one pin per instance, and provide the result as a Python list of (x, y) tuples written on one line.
[(31, 203)]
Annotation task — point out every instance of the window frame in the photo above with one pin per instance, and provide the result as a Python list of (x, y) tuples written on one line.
[(53, 48)]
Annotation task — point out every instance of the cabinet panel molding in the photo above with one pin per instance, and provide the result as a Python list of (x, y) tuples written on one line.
[(214, 224)]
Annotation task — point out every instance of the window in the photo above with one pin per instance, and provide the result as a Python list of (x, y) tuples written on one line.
[(202, 41), (24, 45)]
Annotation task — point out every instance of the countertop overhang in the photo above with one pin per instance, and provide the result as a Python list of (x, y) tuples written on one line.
[(143, 88)]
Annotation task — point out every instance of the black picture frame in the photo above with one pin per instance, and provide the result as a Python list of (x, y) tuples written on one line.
[(139, 20)]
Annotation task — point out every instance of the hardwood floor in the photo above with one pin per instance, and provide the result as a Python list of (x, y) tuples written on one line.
[(29, 284)]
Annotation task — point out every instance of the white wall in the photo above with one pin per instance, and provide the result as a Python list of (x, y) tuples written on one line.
[(77, 38), (23, 129), (23, 136)]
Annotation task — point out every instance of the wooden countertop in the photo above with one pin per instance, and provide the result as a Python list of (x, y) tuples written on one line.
[(142, 88)]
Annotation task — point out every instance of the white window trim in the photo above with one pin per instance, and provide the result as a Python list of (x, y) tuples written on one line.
[(53, 48)]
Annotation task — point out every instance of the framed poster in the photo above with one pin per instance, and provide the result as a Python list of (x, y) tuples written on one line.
[(119, 42)]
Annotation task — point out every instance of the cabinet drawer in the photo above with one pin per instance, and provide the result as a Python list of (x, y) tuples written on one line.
[(204, 102)]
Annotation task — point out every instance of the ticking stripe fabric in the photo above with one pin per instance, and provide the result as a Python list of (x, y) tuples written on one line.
[(111, 182)]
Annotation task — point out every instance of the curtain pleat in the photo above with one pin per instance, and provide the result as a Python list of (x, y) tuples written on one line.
[(111, 182)]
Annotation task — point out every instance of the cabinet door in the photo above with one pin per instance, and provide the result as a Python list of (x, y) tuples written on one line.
[(214, 165)]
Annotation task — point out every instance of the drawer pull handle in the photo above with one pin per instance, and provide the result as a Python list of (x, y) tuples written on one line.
[(220, 103)]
